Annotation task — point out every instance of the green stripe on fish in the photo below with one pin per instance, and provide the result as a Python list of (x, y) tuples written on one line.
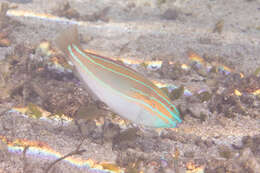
[(123, 95)]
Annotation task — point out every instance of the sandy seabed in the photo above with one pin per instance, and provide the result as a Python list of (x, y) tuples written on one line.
[(220, 128)]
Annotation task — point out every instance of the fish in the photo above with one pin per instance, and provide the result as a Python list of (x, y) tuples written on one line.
[(125, 91)]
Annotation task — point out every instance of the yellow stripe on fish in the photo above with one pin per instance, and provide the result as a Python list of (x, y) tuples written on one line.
[(125, 91)]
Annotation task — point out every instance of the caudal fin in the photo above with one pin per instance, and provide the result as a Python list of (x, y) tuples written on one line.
[(66, 38)]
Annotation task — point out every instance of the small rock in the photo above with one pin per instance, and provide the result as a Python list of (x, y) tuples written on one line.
[(86, 38), (3, 151), (199, 142), (176, 137), (170, 14), (219, 26), (176, 72), (209, 143), (110, 131), (3, 10), (91, 111), (205, 40), (247, 141), (204, 96), (126, 139), (165, 68), (4, 34), (164, 147), (151, 169), (97, 136), (100, 15), (87, 127), (5, 69), (196, 111), (247, 99), (177, 93), (65, 10), (90, 17), (249, 161), (148, 144), (131, 5), (225, 152), (253, 143), (189, 154), (168, 170), (202, 72), (234, 166), (5, 42), (4, 20), (72, 13), (220, 170), (256, 146), (44, 48)]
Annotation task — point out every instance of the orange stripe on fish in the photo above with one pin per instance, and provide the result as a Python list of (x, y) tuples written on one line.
[(150, 102)]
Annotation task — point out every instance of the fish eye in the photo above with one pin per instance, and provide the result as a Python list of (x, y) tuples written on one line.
[(174, 110)]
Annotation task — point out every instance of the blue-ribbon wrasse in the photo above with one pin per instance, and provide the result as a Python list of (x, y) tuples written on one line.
[(126, 92)]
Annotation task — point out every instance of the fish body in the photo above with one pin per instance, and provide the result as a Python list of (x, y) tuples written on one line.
[(126, 92)]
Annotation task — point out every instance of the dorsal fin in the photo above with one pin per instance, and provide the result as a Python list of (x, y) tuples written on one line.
[(66, 38)]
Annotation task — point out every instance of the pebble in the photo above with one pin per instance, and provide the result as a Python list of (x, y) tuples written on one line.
[(170, 14), (253, 143), (249, 161), (5, 42), (225, 152), (148, 145), (189, 154), (44, 48), (110, 130), (65, 10), (125, 139), (165, 68), (220, 170), (87, 127)]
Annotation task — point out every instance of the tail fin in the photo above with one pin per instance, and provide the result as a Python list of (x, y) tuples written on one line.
[(66, 38)]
